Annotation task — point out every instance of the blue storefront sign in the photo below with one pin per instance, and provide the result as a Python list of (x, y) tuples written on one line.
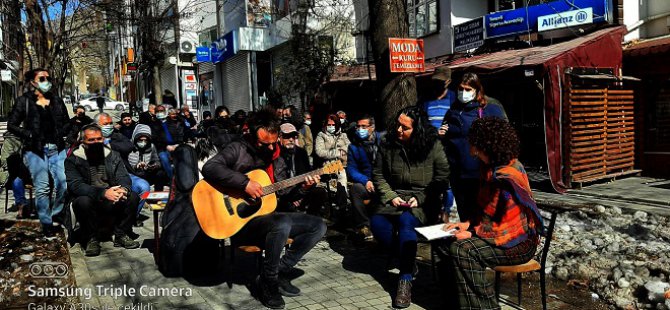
[(525, 20), (202, 54), (224, 48)]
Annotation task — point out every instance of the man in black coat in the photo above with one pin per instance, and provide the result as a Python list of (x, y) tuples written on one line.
[(39, 117), (297, 162), (97, 178), (259, 150), (77, 122), (100, 101)]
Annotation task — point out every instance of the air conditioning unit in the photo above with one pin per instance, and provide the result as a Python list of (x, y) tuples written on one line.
[(187, 47)]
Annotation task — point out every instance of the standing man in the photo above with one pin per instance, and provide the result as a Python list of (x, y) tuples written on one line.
[(441, 100), (100, 101), (45, 121), (361, 157), (259, 150), (100, 184)]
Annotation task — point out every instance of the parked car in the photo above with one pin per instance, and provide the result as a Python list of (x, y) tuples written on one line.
[(91, 105)]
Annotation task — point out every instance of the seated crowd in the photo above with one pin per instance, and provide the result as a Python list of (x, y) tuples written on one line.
[(395, 181)]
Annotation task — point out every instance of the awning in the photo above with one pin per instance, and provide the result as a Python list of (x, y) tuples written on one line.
[(540, 55), (648, 47)]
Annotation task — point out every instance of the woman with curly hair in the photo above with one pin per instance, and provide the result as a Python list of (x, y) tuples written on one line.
[(472, 104), (410, 173), (506, 225)]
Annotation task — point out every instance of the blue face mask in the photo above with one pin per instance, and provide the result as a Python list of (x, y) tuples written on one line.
[(362, 133), (107, 130)]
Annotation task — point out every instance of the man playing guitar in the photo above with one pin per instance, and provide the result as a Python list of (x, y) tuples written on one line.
[(259, 150)]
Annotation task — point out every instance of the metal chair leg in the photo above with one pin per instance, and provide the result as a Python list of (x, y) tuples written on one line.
[(497, 285), (543, 289), (518, 288)]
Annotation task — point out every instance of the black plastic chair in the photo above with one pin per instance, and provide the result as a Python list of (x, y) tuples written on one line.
[(533, 265)]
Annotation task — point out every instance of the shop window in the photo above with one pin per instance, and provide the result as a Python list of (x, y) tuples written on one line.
[(423, 17)]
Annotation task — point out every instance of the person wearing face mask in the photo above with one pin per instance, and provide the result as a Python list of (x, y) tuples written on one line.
[(113, 138), (190, 124), (162, 137), (144, 165), (100, 186), (305, 139), (126, 125), (361, 156), (331, 144), (40, 118), (472, 104), (311, 200), (259, 150), (223, 131), (79, 120)]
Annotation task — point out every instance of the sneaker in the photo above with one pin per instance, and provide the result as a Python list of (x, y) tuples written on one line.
[(403, 297), (93, 247), (365, 233), (15, 207), (126, 242), (292, 273), (287, 289), (267, 292)]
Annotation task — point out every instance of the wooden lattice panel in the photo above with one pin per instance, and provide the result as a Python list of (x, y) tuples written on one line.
[(601, 133)]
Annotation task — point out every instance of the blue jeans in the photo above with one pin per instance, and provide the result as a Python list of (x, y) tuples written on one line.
[(447, 201), (19, 192), (52, 162), (384, 228), (139, 186), (167, 165)]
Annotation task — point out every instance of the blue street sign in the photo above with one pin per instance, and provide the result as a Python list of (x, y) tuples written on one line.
[(202, 54), (524, 20), (224, 48)]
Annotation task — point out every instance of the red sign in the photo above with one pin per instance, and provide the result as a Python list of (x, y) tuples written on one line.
[(406, 55)]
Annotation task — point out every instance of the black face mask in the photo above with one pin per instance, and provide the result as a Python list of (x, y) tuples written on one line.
[(265, 153), (95, 152)]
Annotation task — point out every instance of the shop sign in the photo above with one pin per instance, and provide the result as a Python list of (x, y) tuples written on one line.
[(202, 54), (524, 20), (127, 78), (131, 66), (469, 35), (565, 19), (224, 48), (406, 55)]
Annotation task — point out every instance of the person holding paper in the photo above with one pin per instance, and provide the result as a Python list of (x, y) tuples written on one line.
[(506, 226), (410, 173)]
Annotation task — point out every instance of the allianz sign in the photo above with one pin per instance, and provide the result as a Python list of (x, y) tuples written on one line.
[(565, 19)]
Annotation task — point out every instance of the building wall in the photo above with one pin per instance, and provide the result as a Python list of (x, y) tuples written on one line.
[(635, 10)]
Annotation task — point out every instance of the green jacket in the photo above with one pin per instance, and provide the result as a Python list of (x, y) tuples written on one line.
[(394, 176)]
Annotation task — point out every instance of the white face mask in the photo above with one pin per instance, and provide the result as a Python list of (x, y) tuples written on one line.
[(466, 96), (342, 120), (308, 122), (141, 144), (330, 129)]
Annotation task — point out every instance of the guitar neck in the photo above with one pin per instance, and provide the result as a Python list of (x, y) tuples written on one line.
[(290, 182)]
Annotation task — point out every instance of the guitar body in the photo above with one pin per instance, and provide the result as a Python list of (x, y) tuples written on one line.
[(223, 213)]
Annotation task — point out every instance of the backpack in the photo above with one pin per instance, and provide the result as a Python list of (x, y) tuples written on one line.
[(12, 146)]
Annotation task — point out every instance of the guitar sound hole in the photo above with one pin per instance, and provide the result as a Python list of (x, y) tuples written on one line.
[(248, 208)]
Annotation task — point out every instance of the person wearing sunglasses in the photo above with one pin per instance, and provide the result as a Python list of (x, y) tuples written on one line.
[(40, 118)]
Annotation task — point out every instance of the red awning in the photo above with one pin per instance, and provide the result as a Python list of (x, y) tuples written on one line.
[(648, 47)]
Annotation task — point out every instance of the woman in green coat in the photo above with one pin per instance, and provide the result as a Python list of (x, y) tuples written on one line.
[(410, 174)]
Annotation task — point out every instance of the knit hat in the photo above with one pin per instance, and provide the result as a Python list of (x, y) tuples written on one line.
[(442, 73), (141, 130)]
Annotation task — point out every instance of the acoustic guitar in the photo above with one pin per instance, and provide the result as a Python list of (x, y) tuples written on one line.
[(222, 213)]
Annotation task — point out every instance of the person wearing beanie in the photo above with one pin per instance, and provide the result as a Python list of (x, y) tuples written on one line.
[(143, 164)]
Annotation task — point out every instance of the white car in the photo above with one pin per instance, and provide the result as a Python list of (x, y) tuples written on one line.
[(91, 105)]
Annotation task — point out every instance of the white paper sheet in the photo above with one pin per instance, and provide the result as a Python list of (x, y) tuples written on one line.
[(435, 232)]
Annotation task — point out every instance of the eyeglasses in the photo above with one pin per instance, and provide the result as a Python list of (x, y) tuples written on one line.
[(289, 136), (363, 126), (45, 78)]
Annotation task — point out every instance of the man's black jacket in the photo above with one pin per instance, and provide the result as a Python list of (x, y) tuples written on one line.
[(78, 175)]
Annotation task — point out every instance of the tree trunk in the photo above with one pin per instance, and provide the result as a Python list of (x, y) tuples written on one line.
[(158, 92), (388, 19)]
